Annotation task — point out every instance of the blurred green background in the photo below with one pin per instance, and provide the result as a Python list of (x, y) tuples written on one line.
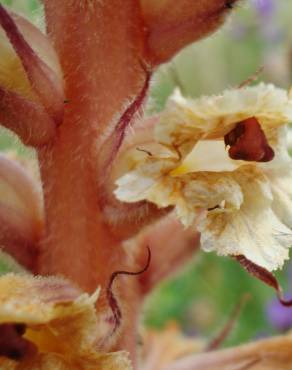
[(202, 296)]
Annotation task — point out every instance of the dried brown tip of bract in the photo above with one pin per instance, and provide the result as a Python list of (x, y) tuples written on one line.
[(265, 276)]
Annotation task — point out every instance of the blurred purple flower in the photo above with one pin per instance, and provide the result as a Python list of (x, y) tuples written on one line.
[(265, 8), (280, 317), (269, 27)]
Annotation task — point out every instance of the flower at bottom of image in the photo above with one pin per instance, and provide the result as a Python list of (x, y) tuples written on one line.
[(47, 323), (222, 163)]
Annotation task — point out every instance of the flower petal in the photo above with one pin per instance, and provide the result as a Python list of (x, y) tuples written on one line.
[(20, 192), (189, 194), (253, 230), (53, 361), (21, 217), (138, 184), (197, 175), (207, 155), (282, 194), (18, 236), (60, 321)]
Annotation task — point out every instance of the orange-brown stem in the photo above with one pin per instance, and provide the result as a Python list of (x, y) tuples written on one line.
[(100, 45)]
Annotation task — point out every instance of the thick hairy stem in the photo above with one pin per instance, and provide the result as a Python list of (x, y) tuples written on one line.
[(102, 72)]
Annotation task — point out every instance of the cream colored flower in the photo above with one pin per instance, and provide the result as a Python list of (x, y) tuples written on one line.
[(59, 327), (248, 209)]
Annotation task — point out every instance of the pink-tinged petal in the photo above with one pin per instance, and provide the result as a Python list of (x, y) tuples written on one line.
[(19, 190), (173, 24), (44, 81), (27, 118), (141, 134), (18, 237), (39, 42), (20, 213), (265, 276), (114, 142)]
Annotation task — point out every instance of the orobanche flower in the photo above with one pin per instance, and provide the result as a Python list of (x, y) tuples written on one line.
[(47, 323), (222, 162)]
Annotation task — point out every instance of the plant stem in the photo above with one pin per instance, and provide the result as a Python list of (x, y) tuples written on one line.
[(100, 48), (100, 45)]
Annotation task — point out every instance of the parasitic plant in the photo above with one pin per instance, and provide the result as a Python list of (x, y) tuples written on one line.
[(99, 233)]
